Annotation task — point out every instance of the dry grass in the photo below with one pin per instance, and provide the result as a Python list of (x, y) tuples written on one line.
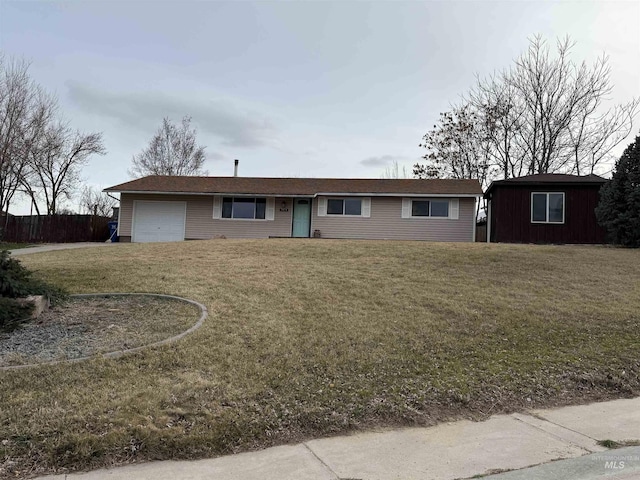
[(309, 338)]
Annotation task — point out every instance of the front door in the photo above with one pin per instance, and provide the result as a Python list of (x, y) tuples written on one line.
[(301, 217)]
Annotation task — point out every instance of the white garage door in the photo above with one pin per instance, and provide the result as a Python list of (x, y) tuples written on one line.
[(158, 221)]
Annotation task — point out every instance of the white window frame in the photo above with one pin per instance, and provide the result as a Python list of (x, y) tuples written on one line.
[(218, 203), (430, 204), (546, 221), (453, 212), (365, 207)]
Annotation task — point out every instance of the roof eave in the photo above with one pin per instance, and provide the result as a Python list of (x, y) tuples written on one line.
[(323, 194), (533, 183), (398, 194)]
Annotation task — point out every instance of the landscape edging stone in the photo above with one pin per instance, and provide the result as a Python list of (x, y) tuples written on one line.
[(204, 313)]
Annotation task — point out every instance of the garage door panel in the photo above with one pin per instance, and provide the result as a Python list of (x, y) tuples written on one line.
[(155, 221)]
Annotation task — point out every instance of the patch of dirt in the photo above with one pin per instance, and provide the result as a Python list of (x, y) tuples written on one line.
[(87, 326)]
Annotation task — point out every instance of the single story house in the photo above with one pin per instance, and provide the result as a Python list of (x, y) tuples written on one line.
[(171, 208), (545, 208)]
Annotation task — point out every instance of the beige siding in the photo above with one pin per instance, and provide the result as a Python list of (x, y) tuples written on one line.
[(386, 222), (202, 225)]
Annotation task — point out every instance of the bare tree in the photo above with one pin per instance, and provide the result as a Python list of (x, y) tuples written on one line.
[(456, 148), (593, 138), (546, 114), (499, 119), (395, 172), (95, 202), (25, 111), (54, 164), (172, 151)]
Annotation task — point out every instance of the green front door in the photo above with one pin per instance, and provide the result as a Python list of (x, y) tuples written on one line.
[(301, 217)]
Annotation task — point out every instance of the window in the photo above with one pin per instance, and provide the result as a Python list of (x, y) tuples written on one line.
[(353, 206), (347, 207), (430, 208), (427, 208), (547, 207), (344, 206), (335, 206), (244, 207)]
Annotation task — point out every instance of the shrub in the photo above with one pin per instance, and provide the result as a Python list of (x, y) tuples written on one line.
[(619, 208), (13, 313), (16, 282)]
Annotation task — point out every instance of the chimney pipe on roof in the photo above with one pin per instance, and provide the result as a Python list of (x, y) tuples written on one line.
[(235, 167)]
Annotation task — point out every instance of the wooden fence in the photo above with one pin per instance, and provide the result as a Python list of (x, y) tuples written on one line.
[(481, 232), (54, 228)]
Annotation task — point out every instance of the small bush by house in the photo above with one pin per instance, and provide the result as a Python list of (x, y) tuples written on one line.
[(17, 282)]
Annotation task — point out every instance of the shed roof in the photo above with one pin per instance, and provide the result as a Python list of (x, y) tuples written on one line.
[(548, 179), (297, 186)]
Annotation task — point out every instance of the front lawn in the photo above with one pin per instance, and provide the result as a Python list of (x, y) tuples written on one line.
[(313, 337)]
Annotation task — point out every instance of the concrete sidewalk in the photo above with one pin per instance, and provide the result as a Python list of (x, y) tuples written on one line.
[(456, 450), (619, 464), (49, 247)]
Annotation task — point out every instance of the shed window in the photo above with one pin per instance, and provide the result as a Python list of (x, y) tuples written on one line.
[(344, 206), (430, 208), (547, 207), (244, 208)]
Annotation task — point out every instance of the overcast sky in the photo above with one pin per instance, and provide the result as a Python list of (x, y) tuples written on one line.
[(318, 89)]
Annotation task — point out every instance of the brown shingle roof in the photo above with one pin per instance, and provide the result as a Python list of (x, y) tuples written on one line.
[(297, 186), (556, 178), (548, 179)]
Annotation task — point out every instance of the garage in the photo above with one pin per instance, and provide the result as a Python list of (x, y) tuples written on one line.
[(158, 221)]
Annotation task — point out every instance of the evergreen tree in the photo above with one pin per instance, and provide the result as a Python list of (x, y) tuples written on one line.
[(619, 207)]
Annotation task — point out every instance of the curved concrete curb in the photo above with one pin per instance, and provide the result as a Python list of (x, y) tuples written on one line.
[(119, 353)]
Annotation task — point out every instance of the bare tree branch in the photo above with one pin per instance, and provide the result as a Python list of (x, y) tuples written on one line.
[(95, 202), (55, 162), (545, 114), (25, 110), (457, 147), (395, 172), (172, 151)]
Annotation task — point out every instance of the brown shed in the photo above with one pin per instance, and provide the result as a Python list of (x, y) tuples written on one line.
[(545, 208)]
